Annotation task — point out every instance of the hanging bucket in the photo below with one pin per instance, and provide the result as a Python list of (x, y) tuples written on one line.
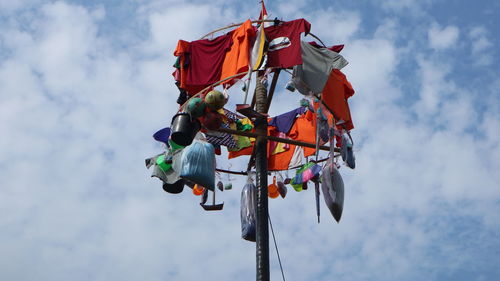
[(184, 129), (175, 187)]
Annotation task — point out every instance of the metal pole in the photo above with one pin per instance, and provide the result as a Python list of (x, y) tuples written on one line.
[(262, 226)]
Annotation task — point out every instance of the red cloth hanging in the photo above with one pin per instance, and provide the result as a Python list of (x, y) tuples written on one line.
[(335, 94)]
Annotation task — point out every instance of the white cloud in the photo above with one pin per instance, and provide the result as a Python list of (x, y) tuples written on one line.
[(7, 6), (76, 118), (443, 38), (434, 87), (481, 46), (342, 26)]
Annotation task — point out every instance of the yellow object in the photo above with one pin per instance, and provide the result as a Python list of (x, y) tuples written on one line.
[(247, 121), (280, 147)]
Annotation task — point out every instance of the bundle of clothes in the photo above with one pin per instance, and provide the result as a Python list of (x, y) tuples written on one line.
[(229, 57), (202, 125)]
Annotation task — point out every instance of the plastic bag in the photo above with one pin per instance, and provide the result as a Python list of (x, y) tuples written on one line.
[(198, 164), (168, 176), (248, 211), (332, 187)]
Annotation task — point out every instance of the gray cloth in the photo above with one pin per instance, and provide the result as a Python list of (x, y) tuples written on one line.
[(317, 63)]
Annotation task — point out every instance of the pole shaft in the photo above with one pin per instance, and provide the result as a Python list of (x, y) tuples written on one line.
[(262, 226)]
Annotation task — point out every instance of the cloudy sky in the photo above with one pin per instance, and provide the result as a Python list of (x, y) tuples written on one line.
[(84, 84)]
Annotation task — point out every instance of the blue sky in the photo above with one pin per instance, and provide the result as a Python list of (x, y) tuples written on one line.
[(84, 84)]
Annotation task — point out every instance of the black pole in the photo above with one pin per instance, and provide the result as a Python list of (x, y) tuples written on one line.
[(262, 226)]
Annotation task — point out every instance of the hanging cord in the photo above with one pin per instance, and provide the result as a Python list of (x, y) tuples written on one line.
[(276, 246)]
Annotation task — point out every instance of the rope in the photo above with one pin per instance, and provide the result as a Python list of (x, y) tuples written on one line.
[(276, 246)]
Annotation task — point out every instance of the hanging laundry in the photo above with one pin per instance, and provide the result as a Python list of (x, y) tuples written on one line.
[(183, 96), (206, 59), (304, 129), (242, 142), (304, 174), (278, 147), (335, 48), (285, 121), (317, 63), (218, 138), (244, 124), (182, 62), (237, 58), (280, 161), (297, 157), (335, 94), (237, 153), (284, 43)]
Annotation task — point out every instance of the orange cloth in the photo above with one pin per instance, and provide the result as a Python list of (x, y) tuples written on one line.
[(180, 51), (238, 57), (335, 94), (304, 129), (280, 161)]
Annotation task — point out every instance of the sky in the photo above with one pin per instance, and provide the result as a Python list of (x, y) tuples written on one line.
[(85, 84)]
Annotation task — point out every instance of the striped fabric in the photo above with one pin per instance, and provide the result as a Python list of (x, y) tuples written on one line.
[(224, 139)]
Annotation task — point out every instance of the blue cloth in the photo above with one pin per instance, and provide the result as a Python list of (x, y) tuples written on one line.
[(284, 122)]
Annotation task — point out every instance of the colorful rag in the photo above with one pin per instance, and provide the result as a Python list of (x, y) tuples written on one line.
[(304, 174)]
